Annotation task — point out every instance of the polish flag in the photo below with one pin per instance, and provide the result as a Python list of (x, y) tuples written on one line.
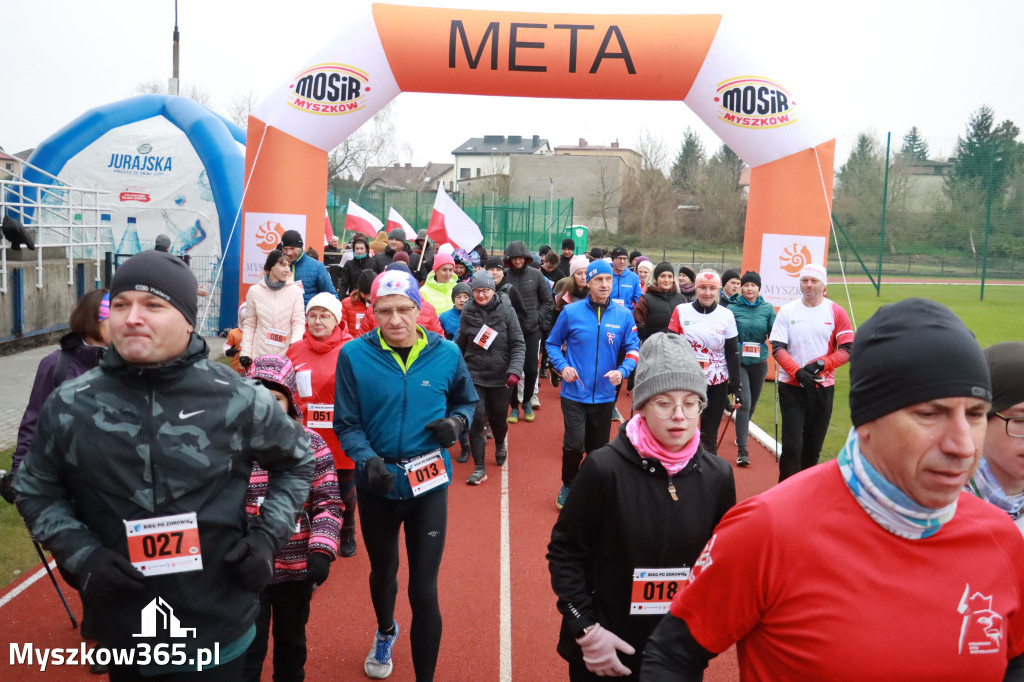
[(397, 221), (449, 224), (358, 219), (328, 230)]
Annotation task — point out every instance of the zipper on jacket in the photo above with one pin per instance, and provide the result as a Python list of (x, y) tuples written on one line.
[(597, 356), (672, 490), (152, 451)]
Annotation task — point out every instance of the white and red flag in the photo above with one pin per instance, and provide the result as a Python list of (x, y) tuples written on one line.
[(358, 219), (395, 220), (328, 230), (449, 224)]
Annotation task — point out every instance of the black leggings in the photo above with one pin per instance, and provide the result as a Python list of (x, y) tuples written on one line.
[(805, 417), (347, 486), (425, 519), (491, 407), (711, 417), (530, 369)]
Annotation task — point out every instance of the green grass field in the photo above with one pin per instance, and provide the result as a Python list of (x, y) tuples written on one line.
[(1000, 317)]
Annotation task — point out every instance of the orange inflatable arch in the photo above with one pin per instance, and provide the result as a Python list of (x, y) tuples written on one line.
[(391, 49)]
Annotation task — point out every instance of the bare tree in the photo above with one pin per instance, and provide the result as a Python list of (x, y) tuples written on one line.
[(653, 152), (373, 144), (648, 198), (155, 87), (240, 106), (608, 187)]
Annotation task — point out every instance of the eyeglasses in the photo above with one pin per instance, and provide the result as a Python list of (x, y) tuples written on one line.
[(1014, 425), (665, 408), (388, 312)]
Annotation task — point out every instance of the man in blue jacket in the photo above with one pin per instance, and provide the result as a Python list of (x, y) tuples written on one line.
[(596, 332), (396, 418), (310, 274)]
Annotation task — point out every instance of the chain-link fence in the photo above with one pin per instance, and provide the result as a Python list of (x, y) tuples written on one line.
[(211, 284), (535, 222), (901, 214)]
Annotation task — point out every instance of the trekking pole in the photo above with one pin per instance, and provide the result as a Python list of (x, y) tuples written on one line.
[(777, 447), (46, 565), (726, 429)]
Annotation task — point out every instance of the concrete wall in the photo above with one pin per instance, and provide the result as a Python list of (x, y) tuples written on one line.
[(48, 308), (590, 180)]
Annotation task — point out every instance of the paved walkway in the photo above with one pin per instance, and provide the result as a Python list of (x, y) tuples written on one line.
[(17, 374)]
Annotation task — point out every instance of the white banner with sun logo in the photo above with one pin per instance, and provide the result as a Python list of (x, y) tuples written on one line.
[(267, 230), (782, 258)]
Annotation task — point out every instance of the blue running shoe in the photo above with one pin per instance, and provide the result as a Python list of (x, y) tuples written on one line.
[(378, 662)]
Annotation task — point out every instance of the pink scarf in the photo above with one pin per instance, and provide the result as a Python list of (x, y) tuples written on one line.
[(647, 445)]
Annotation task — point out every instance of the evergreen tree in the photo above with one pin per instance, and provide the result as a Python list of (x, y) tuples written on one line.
[(689, 162), (985, 155), (914, 146)]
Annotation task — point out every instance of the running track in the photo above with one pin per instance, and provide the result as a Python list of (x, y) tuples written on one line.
[(485, 596)]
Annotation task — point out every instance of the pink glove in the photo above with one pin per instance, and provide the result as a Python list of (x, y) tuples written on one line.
[(599, 646), (512, 381)]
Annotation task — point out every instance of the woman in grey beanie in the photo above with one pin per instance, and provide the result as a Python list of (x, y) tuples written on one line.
[(637, 517)]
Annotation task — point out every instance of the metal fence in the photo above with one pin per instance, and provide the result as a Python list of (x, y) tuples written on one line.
[(205, 270), (535, 222)]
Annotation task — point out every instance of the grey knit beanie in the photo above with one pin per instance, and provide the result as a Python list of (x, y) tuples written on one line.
[(667, 363)]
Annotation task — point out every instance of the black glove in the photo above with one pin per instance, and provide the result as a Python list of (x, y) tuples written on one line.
[(806, 379), (378, 476), (245, 361), (446, 430), (815, 367), (232, 352), (734, 389), (107, 575), (6, 491), (253, 558), (318, 566)]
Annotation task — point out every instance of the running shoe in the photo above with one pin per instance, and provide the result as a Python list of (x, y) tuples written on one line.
[(528, 412), (562, 494), (555, 378), (535, 401), (743, 460), (513, 417), (347, 544), (478, 476), (616, 415), (463, 453), (501, 454), (378, 662)]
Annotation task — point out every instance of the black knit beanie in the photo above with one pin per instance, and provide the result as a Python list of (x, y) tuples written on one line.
[(160, 274), (729, 274), (633, 255), (751, 276), (911, 352), (494, 262), (662, 267), (618, 251), (291, 238), (366, 278), (683, 270), (1006, 364), (568, 243)]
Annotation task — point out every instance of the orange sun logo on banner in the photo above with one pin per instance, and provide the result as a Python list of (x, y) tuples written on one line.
[(793, 259), (268, 236)]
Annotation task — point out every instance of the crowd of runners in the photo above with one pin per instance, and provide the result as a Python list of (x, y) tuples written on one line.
[(357, 384)]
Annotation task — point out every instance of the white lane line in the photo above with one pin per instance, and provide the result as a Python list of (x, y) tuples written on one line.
[(505, 630), (25, 585)]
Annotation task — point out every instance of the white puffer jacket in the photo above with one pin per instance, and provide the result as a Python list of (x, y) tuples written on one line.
[(274, 320)]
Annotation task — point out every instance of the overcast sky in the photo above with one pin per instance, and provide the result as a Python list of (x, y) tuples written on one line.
[(870, 65)]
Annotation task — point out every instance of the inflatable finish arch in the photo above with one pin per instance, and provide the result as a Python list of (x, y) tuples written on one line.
[(391, 49)]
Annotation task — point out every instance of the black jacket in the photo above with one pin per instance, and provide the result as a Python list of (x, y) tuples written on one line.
[(537, 298), (654, 311), (382, 260), (620, 516), (491, 366), (349, 279)]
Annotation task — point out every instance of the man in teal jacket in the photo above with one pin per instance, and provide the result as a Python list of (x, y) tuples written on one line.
[(310, 274), (403, 396)]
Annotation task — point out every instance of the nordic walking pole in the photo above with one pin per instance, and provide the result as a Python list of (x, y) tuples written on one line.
[(777, 446), (46, 565), (726, 429)]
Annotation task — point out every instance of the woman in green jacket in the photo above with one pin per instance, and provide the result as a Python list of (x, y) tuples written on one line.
[(754, 319)]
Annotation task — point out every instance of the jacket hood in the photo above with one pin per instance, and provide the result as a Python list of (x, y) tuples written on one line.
[(515, 250), (276, 371)]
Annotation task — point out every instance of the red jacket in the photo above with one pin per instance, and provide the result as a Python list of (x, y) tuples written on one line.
[(357, 315), (427, 319), (315, 363)]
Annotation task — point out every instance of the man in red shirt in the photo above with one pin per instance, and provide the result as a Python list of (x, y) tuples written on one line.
[(876, 565), (811, 337)]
